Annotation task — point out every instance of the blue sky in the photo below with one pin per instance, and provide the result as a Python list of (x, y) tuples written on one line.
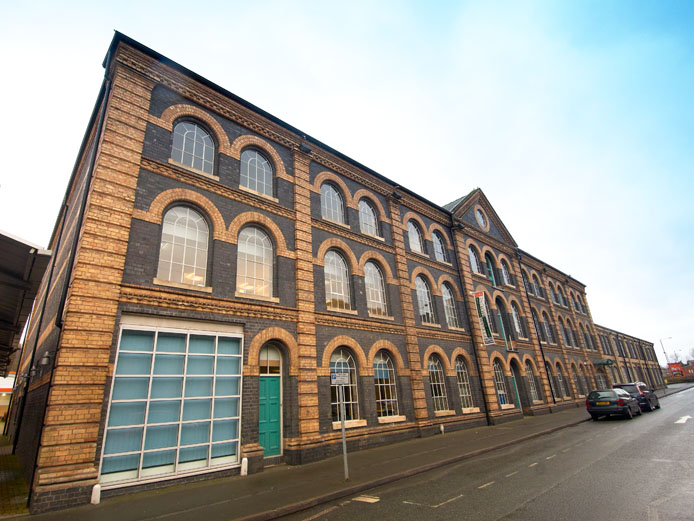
[(575, 118)]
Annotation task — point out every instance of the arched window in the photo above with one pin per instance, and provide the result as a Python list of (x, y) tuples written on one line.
[(256, 172), (562, 297), (449, 306), (532, 385), (426, 306), (414, 235), (526, 282), (183, 249), (506, 273), (437, 384), (550, 378), (386, 388), (553, 293), (475, 264), (440, 248), (270, 360), (601, 379), (368, 223), (564, 332), (538, 326), (502, 321), (549, 330), (500, 383), (375, 290), (585, 380), (570, 333), (193, 147), (337, 294), (518, 324), (492, 316), (341, 361), (577, 382), (463, 377), (490, 268), (331, 205), (563, 384), (255, 262)]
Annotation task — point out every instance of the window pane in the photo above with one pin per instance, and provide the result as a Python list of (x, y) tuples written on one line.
[(201, 344), (228, 365), (168, 364), (226, 407), (166, 387), (130, 413), (120, 463), (137, 341), (225, 430), (130, 388), (228, 346), (198, 387), (163, 412), (200, 364), (227, 386), (123, 440), (161, 436), (196, 409), (194, 433), (130, 363)]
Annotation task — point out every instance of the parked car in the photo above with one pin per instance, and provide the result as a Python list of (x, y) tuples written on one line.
[(646, 397), (607, 402)]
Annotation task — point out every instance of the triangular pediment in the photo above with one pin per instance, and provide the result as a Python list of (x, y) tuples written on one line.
[(467, 210)]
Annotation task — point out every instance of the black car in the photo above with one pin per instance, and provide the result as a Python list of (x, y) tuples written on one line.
[(646, 397), (607, 402)]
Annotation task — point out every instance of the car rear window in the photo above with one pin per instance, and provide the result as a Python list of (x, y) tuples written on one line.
[(596, 395), (629, 388)]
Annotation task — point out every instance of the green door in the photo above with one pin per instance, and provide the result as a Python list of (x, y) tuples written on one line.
[(269, 428)]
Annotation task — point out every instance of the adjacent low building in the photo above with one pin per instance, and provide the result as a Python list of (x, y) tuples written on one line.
[(213, 266)]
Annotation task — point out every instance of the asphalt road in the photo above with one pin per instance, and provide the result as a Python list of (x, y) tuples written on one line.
[(613, 470)]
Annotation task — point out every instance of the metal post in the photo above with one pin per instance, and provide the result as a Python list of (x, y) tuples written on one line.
[(344, 441)]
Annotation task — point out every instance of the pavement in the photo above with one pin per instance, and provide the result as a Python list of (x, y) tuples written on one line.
[(285, 489)]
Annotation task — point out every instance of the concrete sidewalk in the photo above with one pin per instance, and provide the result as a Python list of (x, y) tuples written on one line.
[(286, 489)]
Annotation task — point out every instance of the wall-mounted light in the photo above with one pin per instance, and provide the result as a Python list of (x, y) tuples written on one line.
[(45, 359)]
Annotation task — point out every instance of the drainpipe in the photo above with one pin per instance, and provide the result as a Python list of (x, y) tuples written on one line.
[(474, 348)]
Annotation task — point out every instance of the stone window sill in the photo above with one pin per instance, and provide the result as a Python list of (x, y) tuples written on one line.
[(444, 413), (349, 424), (431, 324), (507, 406), (391, 419), (381, 317), (161, 282), (259, 194), (470, 410), (194, 170), (347, 311), (257, 297)]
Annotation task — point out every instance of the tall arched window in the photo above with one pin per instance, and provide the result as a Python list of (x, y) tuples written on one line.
[(548, 328), (538, 326), (532, 385), (490, 268), (570, 333), (414, 234), (337, 294), (564, 332), (506, 273), (426, 305), (518, 324), (183, 249), (255, 261), (475, 264), (193, 147), (563, 384), (577, 382), (440, 248), (386, 388), (463, 378), (449, 306), (553, 293), (550, 378), (584, 379), (368, 223), (270, 360), (537, 287), (375, 290), (437, 384), (500, 383), (331, 205), (341, 361), (256, 172)]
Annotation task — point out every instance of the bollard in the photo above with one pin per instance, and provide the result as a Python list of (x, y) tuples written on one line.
[(96, 494)]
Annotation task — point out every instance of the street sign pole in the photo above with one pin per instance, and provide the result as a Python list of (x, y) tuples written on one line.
[(344, 440), (340, 380)]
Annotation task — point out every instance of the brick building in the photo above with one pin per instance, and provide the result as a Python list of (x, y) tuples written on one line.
[(212, 265)]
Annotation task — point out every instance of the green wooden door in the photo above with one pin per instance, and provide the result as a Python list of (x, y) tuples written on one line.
[(269, 428)]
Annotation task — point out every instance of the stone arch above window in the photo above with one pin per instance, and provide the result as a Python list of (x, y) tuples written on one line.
[(381, 261), (411, 216), (334, 243), (175, 112), (263, 337), (344, 341), (447, 278), (265, 222), (459, 351), (324, 177), (249, 140), (495, 356), (161, 202), (438, 228), (393, 351), (420, 270), (433, 349), (363, 193), (529, 359)]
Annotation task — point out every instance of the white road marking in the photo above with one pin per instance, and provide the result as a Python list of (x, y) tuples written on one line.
[(367, 499), (447, 501), (566, 450), (413, 503), (657, 460), (550, 457), (532, 464), (487, 484), (321, 513), (684, 419), (511, 474)]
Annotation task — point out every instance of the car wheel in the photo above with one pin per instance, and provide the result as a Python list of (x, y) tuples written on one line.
[(657, 404), (630, 415), (595, 417)]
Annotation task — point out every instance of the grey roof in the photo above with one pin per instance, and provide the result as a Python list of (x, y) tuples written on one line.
[(454, 204)]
